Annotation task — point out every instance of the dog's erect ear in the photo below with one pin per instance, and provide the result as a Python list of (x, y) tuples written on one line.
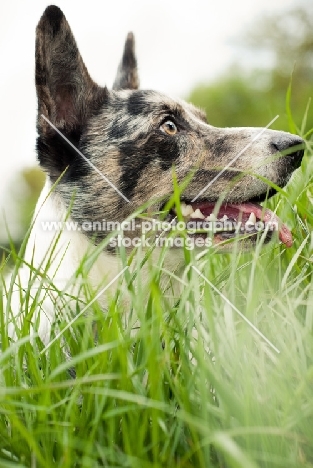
[(66, 93), (127, 75)]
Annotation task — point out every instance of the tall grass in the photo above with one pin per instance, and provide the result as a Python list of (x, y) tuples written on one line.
[(180, 383)]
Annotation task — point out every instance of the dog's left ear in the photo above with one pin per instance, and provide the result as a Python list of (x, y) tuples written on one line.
[(67, 95), (127, 74)]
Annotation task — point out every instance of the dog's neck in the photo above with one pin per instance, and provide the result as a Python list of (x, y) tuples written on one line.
[(62, 249), (60, 252)]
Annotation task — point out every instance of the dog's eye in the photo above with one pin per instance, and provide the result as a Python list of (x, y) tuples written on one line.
[(169, 127)]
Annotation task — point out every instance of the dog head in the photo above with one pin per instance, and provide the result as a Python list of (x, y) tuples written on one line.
[(117, 149)]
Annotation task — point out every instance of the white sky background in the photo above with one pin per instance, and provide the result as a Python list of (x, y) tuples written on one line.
[(178, 43)]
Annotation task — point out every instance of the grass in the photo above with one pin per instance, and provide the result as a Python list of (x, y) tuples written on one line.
[(194, 385)]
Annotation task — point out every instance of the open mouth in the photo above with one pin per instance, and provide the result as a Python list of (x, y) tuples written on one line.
[(232, 220)]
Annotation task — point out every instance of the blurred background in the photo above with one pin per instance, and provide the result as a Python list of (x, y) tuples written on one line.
[(236, 60)]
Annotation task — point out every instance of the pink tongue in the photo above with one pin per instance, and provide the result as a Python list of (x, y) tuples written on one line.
[(267, 216)]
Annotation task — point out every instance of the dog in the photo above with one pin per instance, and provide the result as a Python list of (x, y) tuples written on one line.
[(106, 153)]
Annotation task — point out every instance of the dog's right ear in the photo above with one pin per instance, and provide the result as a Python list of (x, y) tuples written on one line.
[(66, 93), (127, 74)]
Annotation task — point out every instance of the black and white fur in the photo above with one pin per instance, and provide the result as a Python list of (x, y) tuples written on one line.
[(123, 132)]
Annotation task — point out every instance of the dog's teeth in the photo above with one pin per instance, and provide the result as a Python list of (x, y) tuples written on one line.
[(211, 217), (252, 218), (224, 218), (186, 210), (197, 214)]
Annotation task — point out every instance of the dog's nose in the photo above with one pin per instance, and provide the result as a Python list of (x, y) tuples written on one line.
[(291, 146)]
